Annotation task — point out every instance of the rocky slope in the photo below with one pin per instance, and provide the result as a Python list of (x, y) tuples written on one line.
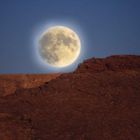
[(100, 100), (10, 83)]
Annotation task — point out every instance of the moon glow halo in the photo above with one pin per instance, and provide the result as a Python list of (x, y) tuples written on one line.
[(59, 46)]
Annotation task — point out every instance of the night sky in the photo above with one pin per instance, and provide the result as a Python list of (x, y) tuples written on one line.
[(107, 27)]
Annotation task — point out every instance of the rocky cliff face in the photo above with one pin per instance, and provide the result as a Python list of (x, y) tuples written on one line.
[(10, 83), (113, 63), (100, 100)]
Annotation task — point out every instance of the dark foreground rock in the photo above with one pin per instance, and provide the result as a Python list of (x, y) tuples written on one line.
[(99, 101)]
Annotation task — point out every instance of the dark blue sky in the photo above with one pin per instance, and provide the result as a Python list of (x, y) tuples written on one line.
[(109, 27)]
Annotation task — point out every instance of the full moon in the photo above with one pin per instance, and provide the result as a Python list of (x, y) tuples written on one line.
[(59, 46)]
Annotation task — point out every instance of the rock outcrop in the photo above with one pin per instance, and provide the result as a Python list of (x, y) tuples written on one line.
[(10, 83), (100, 100)]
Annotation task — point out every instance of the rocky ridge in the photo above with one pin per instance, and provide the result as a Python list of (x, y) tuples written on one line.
[(100, 100)]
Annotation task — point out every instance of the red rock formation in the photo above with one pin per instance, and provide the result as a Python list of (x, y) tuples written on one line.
[(10, 83), (100, 100)]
